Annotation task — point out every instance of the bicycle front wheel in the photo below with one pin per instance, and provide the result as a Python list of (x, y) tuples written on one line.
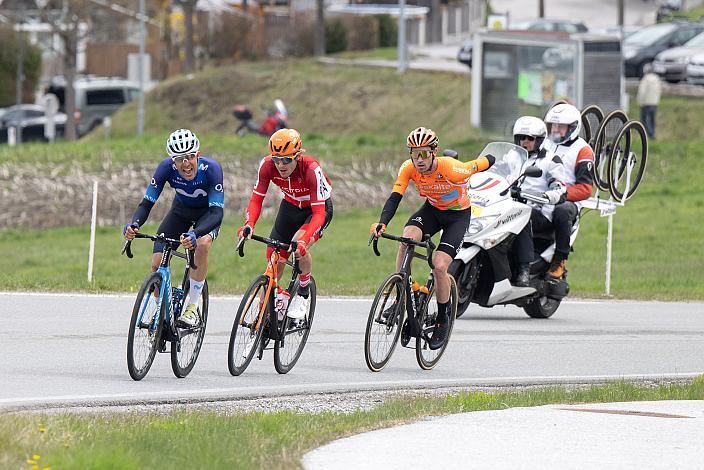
[(384, 323), (295, 334), (426, 357), (184, 352), (145, 327), (245, 336)]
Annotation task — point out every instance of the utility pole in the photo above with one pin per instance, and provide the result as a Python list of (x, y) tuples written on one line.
[(402, 52), (140, 70), (620, 15), (541, 8), (20, 71)]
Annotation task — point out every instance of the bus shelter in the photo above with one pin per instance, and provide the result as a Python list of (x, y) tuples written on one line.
[(518, 73)]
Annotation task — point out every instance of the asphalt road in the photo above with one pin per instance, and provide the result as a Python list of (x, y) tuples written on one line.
[(71, 349)]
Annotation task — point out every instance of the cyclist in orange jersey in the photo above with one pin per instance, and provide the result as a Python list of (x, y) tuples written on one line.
[(443, 182)]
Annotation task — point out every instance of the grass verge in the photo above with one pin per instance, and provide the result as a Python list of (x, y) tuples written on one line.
[(257, 440), (645, 265)]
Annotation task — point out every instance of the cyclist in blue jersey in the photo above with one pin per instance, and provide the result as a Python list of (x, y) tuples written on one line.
[(196, 212)]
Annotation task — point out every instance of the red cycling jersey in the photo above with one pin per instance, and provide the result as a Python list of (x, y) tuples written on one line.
[(308, 186)]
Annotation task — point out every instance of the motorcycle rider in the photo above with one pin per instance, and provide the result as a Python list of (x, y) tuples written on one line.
[(564, 122), (443, 181), (530, 132)]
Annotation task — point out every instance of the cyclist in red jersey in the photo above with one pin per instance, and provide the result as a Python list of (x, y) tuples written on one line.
[(305, 211)]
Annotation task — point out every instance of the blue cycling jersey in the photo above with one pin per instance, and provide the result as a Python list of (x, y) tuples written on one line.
[(205, 190)]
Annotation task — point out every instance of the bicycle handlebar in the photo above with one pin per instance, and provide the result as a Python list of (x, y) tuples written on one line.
[(276, 244), (188, 256), (427, 243)]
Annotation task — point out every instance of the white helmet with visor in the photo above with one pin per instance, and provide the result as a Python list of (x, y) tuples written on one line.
[(563, 114)]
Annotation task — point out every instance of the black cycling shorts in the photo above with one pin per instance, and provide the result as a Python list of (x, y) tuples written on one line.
[(454, 224), (290, 219), (179, 220)]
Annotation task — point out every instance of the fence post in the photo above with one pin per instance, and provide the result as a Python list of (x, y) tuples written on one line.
[(91, 249), (609, 240)]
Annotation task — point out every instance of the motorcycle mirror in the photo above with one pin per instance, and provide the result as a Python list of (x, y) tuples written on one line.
[(449, 153), (533, 172)]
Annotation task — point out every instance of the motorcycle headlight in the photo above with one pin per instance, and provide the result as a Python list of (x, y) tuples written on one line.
[(478, 224)]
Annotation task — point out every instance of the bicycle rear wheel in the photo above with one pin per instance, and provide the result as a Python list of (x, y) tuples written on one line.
[(184, 352), (288, 350), (627, 162), (426, 357), (603, 145), (245, 335), (382, 333), (592, 116), (145, 327)]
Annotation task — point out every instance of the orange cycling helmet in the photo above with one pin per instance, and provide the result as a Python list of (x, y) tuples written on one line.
[(422, 137), (285, 142)]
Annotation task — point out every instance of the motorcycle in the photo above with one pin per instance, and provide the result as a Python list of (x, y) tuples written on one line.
[(276, 119), (500, 211)]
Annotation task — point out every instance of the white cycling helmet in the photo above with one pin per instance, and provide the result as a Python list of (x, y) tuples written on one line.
[(532, 126), (182, 142), (564, 114)]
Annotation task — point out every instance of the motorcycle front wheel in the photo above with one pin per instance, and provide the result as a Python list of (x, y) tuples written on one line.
[(465, 278)]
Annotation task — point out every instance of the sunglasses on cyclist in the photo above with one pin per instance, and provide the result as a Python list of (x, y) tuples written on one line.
[(422, 154), (281, 160), (529, 138), (182, 159)]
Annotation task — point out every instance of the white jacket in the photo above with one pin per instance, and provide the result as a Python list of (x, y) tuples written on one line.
[(552, 180), (649, 90)]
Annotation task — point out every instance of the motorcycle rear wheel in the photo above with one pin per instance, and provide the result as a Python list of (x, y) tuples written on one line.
[(542, 307)]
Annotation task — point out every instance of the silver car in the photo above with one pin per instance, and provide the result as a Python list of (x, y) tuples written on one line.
[(671, 64), (695, 69)]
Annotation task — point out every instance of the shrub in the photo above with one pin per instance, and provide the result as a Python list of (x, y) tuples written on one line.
[(388, 31), (335, 36), (362, 32), (8, 67)]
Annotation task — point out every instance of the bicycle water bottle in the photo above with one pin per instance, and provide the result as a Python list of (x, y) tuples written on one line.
[(281, 302), (176, 300)]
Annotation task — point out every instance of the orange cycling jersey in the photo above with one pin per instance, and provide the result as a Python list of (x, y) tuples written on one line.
[(446, 187)]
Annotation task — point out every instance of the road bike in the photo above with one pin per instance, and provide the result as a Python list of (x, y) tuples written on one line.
[(258, 322), (405, 309), (158, 305)]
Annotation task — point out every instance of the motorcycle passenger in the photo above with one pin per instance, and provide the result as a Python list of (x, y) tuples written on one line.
[(195, 214), (530, 132), (305, 211), (443, 182), (564, 122)]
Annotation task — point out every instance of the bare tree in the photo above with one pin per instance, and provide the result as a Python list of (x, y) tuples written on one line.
[(188, 7), (69, 20), (319, 48)]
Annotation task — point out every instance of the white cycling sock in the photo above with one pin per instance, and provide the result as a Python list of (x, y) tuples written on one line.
[(194, 291)]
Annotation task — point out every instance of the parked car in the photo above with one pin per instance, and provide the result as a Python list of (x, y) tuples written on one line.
[(671, 64), (642, 46), (695, 69), (464, 55), (96, 98), (31, 119), (542, 24)]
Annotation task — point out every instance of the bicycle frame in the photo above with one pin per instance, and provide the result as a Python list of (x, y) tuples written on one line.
[(164, 270), (272, 273), (412, 303)]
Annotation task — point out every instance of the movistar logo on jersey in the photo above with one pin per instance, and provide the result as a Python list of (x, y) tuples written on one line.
[(196, 193), (203, 166)]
